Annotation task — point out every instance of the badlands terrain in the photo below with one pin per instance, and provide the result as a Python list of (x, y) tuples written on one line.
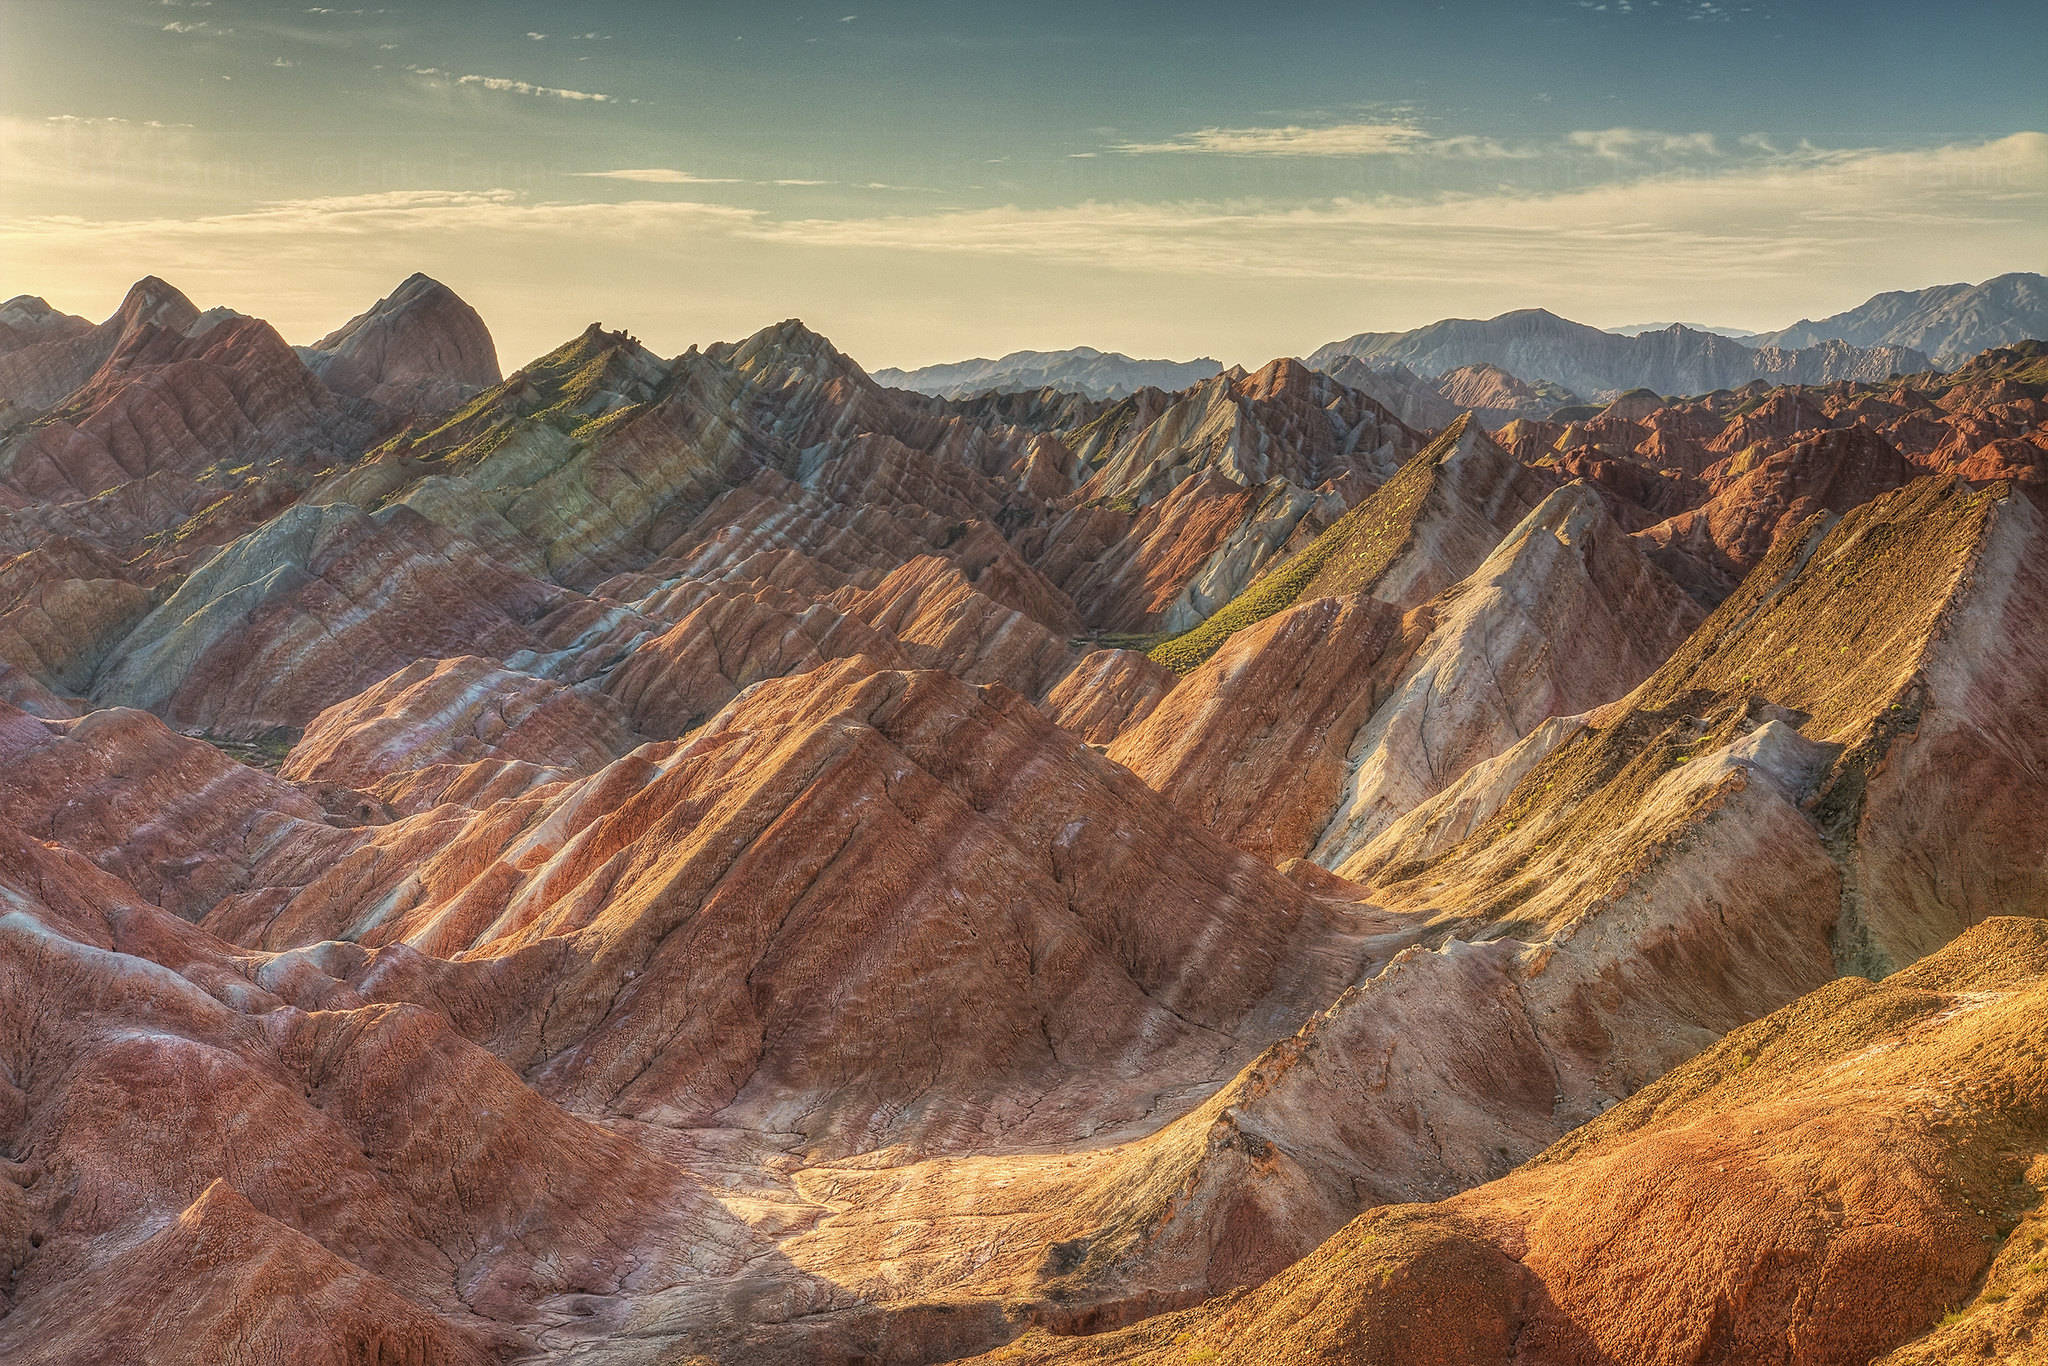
[(713, 859)]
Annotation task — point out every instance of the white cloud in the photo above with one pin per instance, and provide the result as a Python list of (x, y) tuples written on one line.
[(658, 175), (1404, 139), (1335, 140), (1622, 143), (506, 86), (663, 175)]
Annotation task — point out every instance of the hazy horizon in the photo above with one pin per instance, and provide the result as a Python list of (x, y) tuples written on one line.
[(1159, 181)]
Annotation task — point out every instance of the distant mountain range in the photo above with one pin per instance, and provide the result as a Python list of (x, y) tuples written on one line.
[(1893, 333), (1897, 332), (1083, 370), (1951, 323), (1637, 330), (1536, 345)]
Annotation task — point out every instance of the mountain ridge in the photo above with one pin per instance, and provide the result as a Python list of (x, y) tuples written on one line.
[(1081, 369), (1534, 344), (1950, 323)]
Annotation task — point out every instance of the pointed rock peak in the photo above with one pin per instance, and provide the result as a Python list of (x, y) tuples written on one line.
[(210, 319), (593, 343), (23, 308), (415, 292), (219, 1202), (589, 342), (1458, 436), (152, 301), (1463, 443), (418, 347), (419, 282), (789, 342), (26, 320), (592, 362), (1281, 375), (791, 336)]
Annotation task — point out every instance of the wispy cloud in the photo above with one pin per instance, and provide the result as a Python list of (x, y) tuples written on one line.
[(76, 151), (1358, 140), (1293, 140), (506, 86), (666, 175), (336, 219), (657, 175), (1622, 143), (1826, 212)]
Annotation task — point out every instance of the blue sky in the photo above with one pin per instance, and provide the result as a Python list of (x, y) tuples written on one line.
[(923, 181)]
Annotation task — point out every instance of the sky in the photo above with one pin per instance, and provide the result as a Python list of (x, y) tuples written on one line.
[(926, 181)]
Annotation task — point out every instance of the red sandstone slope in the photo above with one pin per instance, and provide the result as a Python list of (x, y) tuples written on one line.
[(171, 397), (1017, 909), (306, 611), (1498, 396), (237, 1152), (1755, 498)]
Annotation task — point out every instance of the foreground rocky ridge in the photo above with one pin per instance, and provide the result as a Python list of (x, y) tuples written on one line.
[(1806, 1189), (714, 858)]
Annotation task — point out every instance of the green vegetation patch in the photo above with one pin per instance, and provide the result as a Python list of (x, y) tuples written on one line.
[(1349, 557), (552, 390)]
